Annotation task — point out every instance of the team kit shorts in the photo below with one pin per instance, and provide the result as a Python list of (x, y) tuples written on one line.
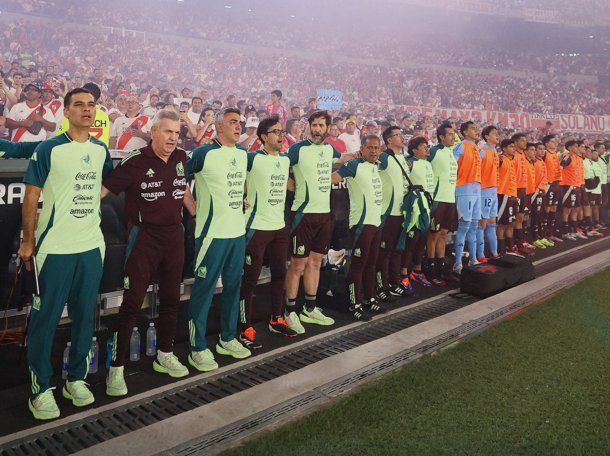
[(468, 207), (310, 233), (553, 194), (524, 202), (507, 209), (489, 202), (572, 196), (443, 216)]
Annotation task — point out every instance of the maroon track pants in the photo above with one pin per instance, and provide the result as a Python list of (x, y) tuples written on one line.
[(152, 251), (361, 274), (275, 243), (388, 260)]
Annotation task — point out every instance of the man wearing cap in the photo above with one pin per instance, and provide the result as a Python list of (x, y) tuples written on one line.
[(248, 138), (101, 125), (351, 137), (30, 120)]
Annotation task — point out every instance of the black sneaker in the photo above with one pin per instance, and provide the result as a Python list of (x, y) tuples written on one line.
[(400, 291), (374, 306), (248, 338), (384, 295), (359, 313), (279, 326)]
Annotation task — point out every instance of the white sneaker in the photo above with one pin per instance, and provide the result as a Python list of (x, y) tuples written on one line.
[(316, 317), (115, 382), (457, 268), (294, 322), (203, 360), (168, 363)]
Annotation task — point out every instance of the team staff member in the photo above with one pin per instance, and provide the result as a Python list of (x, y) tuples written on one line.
[(311, 229), (538, 215), (600, 148), (153, 179), (220, 243), (10, 149), (572, 174), (593, 188), (486, 231), (365, 196), (443, 214), (69, 249), (508, 203), (553, 192), (421, 174), (266, 231), (394, 188), (101, 127), (467, 193)]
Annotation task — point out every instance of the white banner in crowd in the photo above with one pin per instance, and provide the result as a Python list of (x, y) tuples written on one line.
[(521, 120)]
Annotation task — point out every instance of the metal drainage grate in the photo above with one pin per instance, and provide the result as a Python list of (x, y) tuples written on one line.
[(82, 434)]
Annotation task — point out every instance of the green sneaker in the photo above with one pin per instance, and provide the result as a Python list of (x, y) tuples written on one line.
[(78, 393), (538, 243), (203, 360), (43, 406), (316, 317), (232, 348), (168, 364), (548, 242), (294, 323), (115, 382)]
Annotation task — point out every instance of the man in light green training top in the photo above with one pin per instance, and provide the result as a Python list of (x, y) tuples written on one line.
[(69, 249), (220, 173), (310, 233), (365, 200)]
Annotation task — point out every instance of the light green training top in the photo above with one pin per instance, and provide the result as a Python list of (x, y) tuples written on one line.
[(365, 192)]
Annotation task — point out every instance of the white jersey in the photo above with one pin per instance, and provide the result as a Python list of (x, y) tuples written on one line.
[(21, 111), (352, 142), (123, 132), (193, 116), (56, 106)]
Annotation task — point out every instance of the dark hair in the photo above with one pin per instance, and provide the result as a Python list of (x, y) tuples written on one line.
[(465, 126), (598, 144), (94, 89), (530, 144), (505, 143), (579, 142), (415, 142), (265, 124), (71, 93), (389, 132), (487, 131), (442, 130), (546, 139), (290, 123), (517, 136), (276, 92), (571, 143), (365, 138), (196, 98), (319, 115), (217, 101)]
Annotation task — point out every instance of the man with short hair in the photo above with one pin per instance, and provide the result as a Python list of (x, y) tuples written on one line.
[(520, 143), (392, 167), (553, 192), (443, 214), (276, 107), (507, 197), (266, 231), (365, 195), (572, 174), (350, 137), (101, 127), (132, 130), (220, 170), (539, 200), (312, 161), (194, 112), (154, 181), (68, 252), (467, 194), (486, 231), (593, 188), (29, 120)]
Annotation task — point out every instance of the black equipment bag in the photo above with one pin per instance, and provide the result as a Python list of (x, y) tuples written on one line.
[(497, 275)]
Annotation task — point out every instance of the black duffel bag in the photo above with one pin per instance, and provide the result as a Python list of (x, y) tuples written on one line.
[(497, 275)]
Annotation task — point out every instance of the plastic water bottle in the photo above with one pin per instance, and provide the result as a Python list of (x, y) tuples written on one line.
[(151, 340), (134, 345), (65, 361), (94, 361), (109, 347)]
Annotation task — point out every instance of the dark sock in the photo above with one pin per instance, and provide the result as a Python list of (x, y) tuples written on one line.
[(518, 235), (501, 246), (565, 227), (310, 302), (572, 224), (588, 222), (510, 242)]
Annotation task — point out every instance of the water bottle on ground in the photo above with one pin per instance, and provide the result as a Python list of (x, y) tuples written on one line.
[(134, 345), (151, 340), (94, 361), (65, 361)]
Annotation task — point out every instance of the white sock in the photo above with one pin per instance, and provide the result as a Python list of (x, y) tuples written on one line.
[(161, 354)]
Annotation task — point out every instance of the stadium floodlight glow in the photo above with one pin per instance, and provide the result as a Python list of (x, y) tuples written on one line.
[(228, 7)]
